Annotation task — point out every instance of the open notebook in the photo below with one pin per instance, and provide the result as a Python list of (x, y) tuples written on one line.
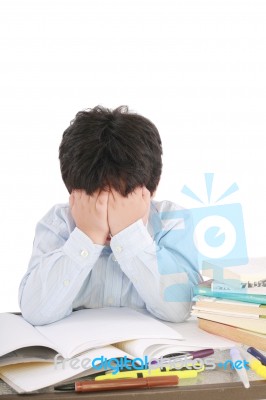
[(81, 331), (133, 334)]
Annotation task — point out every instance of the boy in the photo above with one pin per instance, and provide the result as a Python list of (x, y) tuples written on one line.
[(109, 246)]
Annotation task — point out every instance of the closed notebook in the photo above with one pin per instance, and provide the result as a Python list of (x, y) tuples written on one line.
[(245, 289), (251, 324), (205, 289), (230, 306)]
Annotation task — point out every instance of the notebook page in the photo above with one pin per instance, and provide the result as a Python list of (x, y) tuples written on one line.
[(34, 376), (89, 328), (196, 338), (16, 333), (145, 347), (28, 354)]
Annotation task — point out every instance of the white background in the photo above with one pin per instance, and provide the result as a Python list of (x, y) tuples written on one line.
[(196, 68)]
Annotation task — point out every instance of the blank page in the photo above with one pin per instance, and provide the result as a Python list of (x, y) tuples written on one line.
[(16, 333), (89, 328)]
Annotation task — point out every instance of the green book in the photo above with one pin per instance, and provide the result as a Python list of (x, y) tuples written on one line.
[(204, 289)]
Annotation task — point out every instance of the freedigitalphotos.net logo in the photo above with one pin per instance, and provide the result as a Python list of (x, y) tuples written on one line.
[(213, 232), (125, 364)]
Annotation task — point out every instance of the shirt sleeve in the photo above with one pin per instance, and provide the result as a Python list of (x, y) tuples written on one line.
[(163, 269), (62, 258)]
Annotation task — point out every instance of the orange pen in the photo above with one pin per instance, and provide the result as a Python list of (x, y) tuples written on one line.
[(120, 384)]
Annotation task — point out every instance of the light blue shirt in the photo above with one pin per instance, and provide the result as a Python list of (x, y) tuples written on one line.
[(143, 267)]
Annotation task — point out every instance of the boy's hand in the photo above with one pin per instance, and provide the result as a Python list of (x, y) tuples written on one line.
[(124, 211), (90, 214)]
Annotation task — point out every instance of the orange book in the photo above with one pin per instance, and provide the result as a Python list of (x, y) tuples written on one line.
[(248, 338)]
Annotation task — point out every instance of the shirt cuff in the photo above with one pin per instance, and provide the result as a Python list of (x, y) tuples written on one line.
[(131, 241), (81, 249)]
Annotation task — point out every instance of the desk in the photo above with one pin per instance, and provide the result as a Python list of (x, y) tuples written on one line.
[(209, 385), (233, 391)]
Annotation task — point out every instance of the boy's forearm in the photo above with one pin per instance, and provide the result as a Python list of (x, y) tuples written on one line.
[(167, 294), (53, 280)]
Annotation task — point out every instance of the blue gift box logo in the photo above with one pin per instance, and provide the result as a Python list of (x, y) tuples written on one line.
[(219, 232), (213, 233)]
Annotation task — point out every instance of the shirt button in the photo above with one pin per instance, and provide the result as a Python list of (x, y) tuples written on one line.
[(110, 300), (84, 253), (66, 282), (114, 259), (118, 249)]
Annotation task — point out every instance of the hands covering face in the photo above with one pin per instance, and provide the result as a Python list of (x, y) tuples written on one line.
[(106, 212)]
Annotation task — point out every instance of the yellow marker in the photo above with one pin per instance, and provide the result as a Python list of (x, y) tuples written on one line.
[(258, 368), (145, 373), (254, 363)]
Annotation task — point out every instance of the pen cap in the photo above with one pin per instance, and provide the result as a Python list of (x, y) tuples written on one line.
[(123, 384), (234, 353), (253, 362), (257, 354)]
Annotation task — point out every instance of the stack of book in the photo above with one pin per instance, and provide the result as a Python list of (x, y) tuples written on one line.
[(232, 303)]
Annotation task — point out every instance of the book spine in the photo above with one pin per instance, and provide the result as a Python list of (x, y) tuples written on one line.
[(236, 280), (236, 284), (224, 288)]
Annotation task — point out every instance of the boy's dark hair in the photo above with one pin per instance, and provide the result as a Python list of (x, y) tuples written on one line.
[(103, 148)]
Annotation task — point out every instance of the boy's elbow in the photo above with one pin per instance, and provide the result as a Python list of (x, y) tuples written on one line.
[(173, 312), (180, 313), (31, 313), (39, 319), (38, 316), (32, 317)]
